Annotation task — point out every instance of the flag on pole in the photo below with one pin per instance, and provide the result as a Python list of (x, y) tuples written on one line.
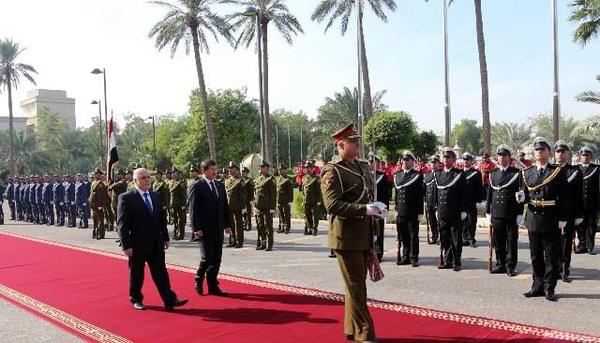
[(113, 156)]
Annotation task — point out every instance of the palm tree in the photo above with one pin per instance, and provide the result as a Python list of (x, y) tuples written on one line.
[(10, 73), (342, 10), (485, 97), (287, 24), (192, 22), (590, 96), (587, 13)]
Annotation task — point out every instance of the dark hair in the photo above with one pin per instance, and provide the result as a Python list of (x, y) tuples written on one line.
[(204, 165)]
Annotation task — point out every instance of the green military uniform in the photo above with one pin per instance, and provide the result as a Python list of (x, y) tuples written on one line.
[(99, 202), (115, 189), (249, 188), (130, 185), (178, 190), (236, 197), (347, 188), (265, 201), (162, 188), (311, 186), (285, 196)]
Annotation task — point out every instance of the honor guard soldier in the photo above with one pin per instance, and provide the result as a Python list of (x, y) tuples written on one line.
[(474, 194), (311, 187), (159, 186), (383, 196), (2, 190), (194, 177), (544, 193), (98, 201), (18, 203), (236, 198), (430, 192), (70, 205), (249, 187), (25, 199), (129, 180), (117, 188), (586, 232), (285, 197), (347, 190), (409, 206), (504, 212), (265, 202), (81, 199), (10, 198), (168, 179), (48, 199), (39, 200), (58, 197), (178, 190), (562, 157), (451, 197)]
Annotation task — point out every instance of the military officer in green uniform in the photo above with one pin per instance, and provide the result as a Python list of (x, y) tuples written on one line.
[(236, 197), (347, 189), (162, 188), (311, 186), (285, 197), (99, 201), (168, 179), (194, 177), (249, 187), (178, 189), (265, 201), (129, 180), (117, 188)]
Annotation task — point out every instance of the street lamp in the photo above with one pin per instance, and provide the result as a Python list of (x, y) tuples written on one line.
[(99, 103), (97, 71), (252, 11), (154, 138), (555, 90), (361, 118), (447, 113)]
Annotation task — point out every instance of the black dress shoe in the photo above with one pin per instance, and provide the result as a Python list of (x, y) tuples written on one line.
[(445, 266), (466, 243), (511, 272), (404, 262), (414, 263), (176, 303), (566, 278), (331, 254), (533, 294), (456, 268), (591, 252), (268, 248), (261, 247), (498, 270), (139, 306), (237, 246), (198, 287), (473, 244), (550, 296), (580, 250), (433, 242), (218, 292)]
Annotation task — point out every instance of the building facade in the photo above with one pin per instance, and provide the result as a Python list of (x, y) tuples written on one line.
[(19, 123), (56, 101)]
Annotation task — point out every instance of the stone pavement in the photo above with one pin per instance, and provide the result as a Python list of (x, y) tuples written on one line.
[(302, 261)]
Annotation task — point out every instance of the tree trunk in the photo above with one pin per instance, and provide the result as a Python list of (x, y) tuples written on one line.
[(367, 101), (11, 129), (203, 96), (485, 102), (267, 121)]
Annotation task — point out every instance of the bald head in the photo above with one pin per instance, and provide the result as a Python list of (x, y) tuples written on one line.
[(142, 179)]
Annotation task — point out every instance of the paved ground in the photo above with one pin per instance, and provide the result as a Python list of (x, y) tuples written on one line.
[(302, 260)]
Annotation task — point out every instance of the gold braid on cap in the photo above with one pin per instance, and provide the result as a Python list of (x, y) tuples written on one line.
[(544, 183)]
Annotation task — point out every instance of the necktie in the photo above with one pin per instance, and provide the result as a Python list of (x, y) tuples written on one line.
[(213, 188), (148, 202), (541, 171)]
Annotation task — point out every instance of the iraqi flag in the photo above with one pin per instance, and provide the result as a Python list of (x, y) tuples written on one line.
[(113, 156)]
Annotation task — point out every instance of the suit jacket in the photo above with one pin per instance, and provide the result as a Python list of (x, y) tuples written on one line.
[(208, 212), (574, 194), (409, 193), (501, 200), (429, 190), (384, 188), (137, 227), (591, 186), (474, 191), (551, 186), (450, 193)]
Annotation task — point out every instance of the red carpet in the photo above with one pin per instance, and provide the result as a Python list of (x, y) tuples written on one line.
[(85, 292)]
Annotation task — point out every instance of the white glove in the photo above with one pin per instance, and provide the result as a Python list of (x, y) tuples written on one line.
[(488, 216), (520, 219), (244, 210), (437, 215), (62, 203), (562, 224), (318, 204), (99, 208), (183, 207), (272, 211), (84, 204), (463, 215), (578, 221), (72, 202), (374, 211)]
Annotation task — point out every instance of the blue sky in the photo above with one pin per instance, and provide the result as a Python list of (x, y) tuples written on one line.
[(70, 37)]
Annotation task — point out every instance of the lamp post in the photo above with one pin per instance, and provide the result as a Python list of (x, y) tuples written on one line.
[(252, 11), (97, 71), (446, 76), (99, 103), (153, 138), (555, 91), (361, 119)]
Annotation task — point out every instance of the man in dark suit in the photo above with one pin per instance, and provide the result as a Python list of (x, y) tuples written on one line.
[(143, 232), (209, 217), (586, 232), (409, 205)]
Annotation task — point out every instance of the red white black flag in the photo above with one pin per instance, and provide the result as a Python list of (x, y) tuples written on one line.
[(113, 156)]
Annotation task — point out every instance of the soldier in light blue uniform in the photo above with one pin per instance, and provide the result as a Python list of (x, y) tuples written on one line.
[(82, 193), (10, 197), (58, 197), (70, 206), (39, 200), (48, 199)]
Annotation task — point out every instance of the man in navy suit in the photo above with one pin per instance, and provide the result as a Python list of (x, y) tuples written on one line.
[(210, 218), (144, 237)]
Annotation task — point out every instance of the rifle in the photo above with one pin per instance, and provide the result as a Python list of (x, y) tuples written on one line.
[(428, 227)]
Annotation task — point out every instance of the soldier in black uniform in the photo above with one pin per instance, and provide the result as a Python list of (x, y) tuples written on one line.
[(430, 192), (586, 232), (473, 195), (383, 195), (544, 193), (504, 212), (409, 205), (450, 183), (562, 157)]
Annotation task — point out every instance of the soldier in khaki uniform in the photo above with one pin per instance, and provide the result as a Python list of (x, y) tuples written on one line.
[(168, 179), (178, 189), (285, 197), (347, 189), (236, 197), (249, 187), (99, 201), (162, 188), (129, 180), (117, 188), (311, 186), (265, 201)]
